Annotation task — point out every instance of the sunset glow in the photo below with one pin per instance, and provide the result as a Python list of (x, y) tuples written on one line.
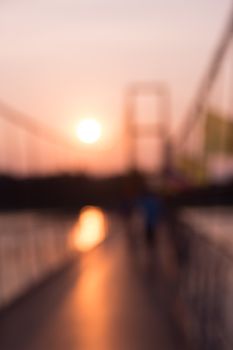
[(90, 229), (89, 131)]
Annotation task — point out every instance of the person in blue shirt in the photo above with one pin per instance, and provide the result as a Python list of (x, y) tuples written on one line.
[(151, 209)]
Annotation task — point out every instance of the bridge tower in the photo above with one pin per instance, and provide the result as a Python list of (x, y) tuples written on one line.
[(148, 129)]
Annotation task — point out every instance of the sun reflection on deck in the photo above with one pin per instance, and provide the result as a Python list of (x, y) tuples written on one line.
[(90, 230)]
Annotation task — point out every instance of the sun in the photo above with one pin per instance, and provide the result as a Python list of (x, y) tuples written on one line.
[(89, 130)]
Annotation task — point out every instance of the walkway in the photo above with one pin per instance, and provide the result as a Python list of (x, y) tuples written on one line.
[(108, 300)]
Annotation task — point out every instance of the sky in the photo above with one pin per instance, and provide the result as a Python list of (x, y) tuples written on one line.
[(63, 60)]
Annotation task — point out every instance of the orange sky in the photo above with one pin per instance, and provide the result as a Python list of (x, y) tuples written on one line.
[(61, 60)]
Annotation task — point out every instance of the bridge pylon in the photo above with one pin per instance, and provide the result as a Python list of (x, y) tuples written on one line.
[(148, 129)]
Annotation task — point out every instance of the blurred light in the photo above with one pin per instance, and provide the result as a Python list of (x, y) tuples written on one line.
[(89, 130), (90, 229)]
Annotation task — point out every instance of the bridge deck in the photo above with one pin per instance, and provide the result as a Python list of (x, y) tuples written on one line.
[(108, 300)]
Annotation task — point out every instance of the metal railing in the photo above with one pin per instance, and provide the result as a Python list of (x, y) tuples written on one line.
[(206, 286), (32, 246)]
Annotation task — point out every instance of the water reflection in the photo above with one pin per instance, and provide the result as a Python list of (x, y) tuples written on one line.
[(90, 230)]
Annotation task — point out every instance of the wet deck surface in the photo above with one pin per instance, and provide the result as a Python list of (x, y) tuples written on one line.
[(108, 300)]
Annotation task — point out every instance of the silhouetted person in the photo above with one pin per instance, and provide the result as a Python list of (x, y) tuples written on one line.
[(151, 209)]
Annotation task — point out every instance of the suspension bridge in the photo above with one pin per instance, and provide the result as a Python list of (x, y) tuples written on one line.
[(57, 291)]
